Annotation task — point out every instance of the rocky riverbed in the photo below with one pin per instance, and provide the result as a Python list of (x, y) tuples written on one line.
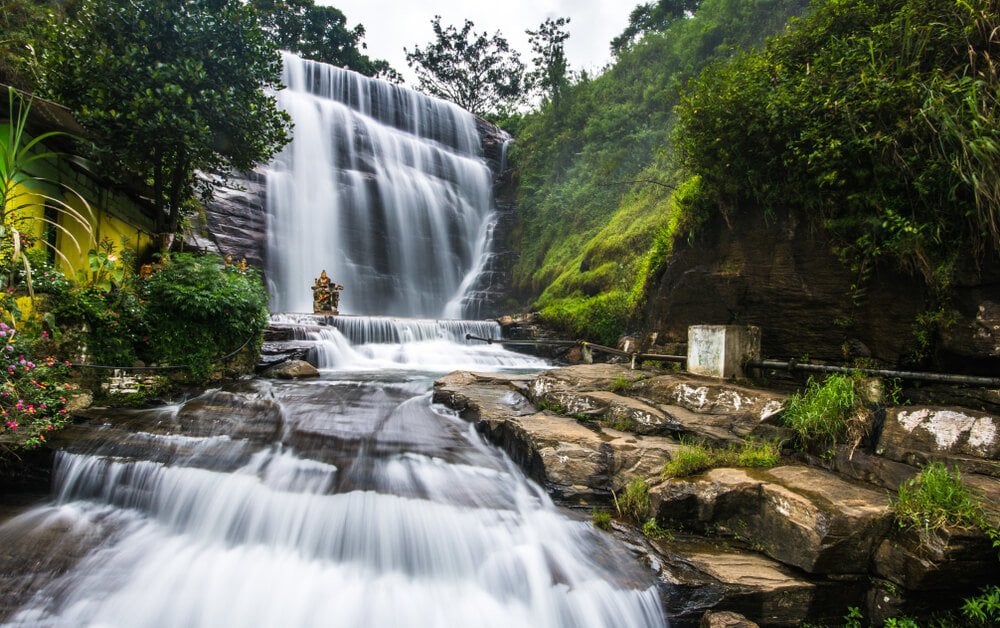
[(800, 542)]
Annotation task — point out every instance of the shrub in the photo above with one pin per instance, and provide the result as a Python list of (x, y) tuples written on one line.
[(984, 609), (652, 530), (820, 415), (200, 309), (32, 401)]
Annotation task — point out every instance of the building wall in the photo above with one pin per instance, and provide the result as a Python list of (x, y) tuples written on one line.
[(87, 211)]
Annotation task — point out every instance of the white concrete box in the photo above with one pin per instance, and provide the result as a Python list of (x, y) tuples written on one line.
[(721, 350)]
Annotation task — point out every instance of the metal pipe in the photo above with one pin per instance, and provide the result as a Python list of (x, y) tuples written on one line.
[(583, 343), (793, 365)]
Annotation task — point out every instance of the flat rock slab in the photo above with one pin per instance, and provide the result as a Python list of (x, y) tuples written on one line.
[(801, 516), (221, 413), (577, 461), (958, 436), (677, 405), (291, 369)]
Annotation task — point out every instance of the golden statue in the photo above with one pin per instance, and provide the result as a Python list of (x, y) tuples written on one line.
[(326, 295)]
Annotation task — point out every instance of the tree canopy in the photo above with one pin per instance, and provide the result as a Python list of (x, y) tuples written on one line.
[(319, 33), (549, 75), (652, 17), (478, 72), (168, 88)]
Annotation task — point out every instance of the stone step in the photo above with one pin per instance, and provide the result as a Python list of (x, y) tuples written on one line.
[(699, 574)]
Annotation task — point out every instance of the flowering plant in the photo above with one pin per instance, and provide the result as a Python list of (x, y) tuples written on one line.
[(32, 394)]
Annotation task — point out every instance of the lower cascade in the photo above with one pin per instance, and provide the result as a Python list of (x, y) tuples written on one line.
[(347, 500)]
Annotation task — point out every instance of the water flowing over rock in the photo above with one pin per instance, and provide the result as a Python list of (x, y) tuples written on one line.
[(385, 188)]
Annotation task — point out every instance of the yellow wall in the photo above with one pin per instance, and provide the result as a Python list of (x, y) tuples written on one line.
[(108, 214)]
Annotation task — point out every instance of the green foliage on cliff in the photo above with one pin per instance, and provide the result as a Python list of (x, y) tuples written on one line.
[(879, 120), (598, 181)]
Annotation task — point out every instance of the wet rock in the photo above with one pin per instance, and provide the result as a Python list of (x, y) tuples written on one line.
[(949, 558), (726, 619), (709, 396), (801, 516), (676, 404), (700, 575), (222, 413), (958, 436), (576, 461), (291, 369)]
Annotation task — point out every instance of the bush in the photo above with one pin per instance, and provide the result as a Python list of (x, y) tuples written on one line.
[(200, 309), (32, 401), (984, 609)]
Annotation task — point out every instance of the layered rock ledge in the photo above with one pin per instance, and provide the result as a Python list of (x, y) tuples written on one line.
[(798, 542)]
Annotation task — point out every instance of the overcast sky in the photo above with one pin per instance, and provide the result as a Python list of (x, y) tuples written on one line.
[(392, 25)]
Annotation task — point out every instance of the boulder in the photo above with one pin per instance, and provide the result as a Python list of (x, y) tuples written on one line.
[(801, 516), (725, 619), (949, 558), (957, 436), (699, 575), (291, 369)]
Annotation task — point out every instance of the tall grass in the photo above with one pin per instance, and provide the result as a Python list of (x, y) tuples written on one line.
[(819, 416)]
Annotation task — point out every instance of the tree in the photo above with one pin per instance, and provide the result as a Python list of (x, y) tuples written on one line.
[(650, 17), (547, 44), (319, 33), (20, 21), (168, 88), (479, 73)]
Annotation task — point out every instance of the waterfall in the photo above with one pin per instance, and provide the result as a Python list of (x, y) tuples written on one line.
[(384, 188)]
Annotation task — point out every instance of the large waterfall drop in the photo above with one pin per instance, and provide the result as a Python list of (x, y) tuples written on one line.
[(349, 500), (383, 187)]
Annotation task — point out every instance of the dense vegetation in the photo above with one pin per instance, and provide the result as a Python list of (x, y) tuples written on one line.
[(874, 121), (599, 185)]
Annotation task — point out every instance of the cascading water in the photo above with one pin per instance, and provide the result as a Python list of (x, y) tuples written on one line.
[(383, 187), (349, 500)]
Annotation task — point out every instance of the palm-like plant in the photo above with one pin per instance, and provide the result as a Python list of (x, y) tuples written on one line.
[(21, 157)]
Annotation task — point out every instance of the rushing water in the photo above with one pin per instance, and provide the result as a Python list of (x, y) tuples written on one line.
[(350, 500), (383, 187)]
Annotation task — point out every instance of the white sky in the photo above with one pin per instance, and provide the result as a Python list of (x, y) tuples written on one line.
[(391, 25)]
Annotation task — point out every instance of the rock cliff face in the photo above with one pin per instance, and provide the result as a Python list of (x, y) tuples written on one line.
[(780, 274), (785, 545)]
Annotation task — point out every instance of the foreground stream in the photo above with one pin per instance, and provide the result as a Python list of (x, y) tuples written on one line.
[(350, 500)]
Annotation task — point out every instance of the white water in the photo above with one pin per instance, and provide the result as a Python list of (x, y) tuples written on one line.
[(350, 500), (382, 187), (372, 508)]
